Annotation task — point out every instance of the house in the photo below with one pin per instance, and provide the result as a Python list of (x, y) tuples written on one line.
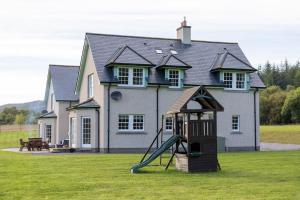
[(126, 83), (59, 95)]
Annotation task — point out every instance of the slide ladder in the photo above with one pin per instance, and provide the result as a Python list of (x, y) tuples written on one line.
[(165, 146)]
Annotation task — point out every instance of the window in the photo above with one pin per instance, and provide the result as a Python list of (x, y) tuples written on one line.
[(90, 86), (234, 80), (138, 122), (137, 76), (174, 78), (173, 52), (228, 80), (48, 132), (235, 123), (131, 76), (158, 51), (131, 122), (51, 101), (86, 132), (169, 124), (123, 76), (123, 122), (240, 80)]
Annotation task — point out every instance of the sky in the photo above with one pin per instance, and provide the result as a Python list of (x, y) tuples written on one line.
[(35, 33)]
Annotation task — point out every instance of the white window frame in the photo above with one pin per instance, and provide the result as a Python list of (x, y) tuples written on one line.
[(238, 123), (46, 132), (234, 80), (82, 144), (167, 125), (179, 78), (131, 122), (130, 77), (90, 86), (73, 130)]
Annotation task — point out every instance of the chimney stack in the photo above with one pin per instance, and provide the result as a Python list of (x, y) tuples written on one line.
[(184, 32)]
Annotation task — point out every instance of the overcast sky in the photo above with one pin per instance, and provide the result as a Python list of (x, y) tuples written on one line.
[(35, 33)]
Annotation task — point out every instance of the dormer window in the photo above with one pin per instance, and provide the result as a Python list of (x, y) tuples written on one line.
[(131, 76), (234, 80), (174, 78)]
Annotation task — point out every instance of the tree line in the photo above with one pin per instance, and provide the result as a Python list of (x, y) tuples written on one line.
[(280, 101), (11, 115)]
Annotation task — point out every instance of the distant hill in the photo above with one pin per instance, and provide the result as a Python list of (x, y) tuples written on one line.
[(36, 106)]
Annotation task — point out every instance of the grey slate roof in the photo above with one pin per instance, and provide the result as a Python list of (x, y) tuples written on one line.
[(90, 103), (228, 61), (172, 61), (126, 55), (48, 115), (200, 55), (199, 94), (64, 81)]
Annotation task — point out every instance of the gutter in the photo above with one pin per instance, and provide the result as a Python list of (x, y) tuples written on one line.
[(108, 118), (157, 112), (255, 131)]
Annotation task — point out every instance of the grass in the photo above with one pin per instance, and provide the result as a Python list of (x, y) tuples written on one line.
[(11, 139), (263, 175), (289, 134), (256, 175)]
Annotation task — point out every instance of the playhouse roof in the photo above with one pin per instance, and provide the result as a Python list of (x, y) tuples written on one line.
[(198, 94)]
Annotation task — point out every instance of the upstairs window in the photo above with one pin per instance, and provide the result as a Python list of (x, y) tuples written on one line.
[(131, 76), (131, 122), (234, 80), (228, 80), (240, 80), (90, 86), (123, 76), (174, 78)]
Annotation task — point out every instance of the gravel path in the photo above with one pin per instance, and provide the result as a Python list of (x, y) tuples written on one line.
[(278, 147)]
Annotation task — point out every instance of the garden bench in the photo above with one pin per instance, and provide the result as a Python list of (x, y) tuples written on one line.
[(23, 144)]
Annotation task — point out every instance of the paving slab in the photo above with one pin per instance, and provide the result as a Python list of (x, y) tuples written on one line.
[(278, 147)]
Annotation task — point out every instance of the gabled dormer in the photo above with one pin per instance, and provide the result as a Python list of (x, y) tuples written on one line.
[(233, 72), (173, 69), (129, 67)]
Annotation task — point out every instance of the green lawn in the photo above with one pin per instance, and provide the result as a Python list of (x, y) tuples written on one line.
[(264, 175), (256, 175), (289, 134), (11, 139)]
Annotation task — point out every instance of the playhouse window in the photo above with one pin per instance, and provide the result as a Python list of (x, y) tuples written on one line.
[(131, 122), (235, 123), (90, 86), (48, 132), (169, 124)]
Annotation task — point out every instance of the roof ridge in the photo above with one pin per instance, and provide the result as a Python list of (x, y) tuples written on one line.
[(160, 38), (55, 65)]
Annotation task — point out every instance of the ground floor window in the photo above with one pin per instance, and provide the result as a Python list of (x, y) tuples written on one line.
[(169, 124), (48, 132), (86, 131), (131, 122), (235, 123)]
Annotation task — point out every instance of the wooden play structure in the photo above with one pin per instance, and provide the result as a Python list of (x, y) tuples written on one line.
[(194, 138)]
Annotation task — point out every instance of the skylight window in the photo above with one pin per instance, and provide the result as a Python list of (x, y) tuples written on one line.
[(159, 51), (173, 52)]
